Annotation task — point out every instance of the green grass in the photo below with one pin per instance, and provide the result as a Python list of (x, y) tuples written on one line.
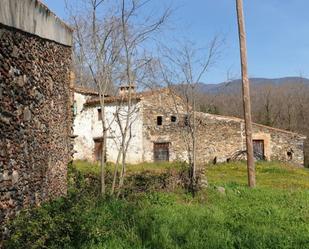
[(94, 168), (273, 215), (268, 174)]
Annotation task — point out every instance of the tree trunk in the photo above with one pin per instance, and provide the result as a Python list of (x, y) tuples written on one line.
[(115, 173), (122, 174), (103, 187), (193, 148)]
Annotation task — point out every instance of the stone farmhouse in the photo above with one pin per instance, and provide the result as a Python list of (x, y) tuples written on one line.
[(157, 132)]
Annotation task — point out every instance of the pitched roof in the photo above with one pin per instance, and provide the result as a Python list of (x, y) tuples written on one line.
[(84, 90), (125, 98), (141, 95), (235, 119)]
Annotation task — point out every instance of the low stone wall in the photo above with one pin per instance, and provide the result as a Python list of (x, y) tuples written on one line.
[(35, 120)]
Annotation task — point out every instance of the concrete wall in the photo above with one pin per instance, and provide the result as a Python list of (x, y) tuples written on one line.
[(34, 17), (87, 127)]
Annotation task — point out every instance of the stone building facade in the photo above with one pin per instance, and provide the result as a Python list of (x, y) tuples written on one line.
[(35, 105), (161, 133)]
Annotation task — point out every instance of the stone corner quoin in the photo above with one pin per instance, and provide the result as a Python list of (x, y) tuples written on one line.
[(35, 105)]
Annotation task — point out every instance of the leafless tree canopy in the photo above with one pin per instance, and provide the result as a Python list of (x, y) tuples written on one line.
[(110, 50), (182, 68)]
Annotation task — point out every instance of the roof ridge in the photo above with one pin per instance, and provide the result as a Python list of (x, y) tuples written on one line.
[(261, 125)]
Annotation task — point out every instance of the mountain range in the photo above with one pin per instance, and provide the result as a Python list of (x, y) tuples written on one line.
[(235, 85)]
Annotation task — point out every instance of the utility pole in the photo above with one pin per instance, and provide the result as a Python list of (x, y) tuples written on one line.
[(246, 93)]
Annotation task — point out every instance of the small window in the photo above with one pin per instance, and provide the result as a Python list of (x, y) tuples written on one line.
[(159, 120), (173, 119), (186, 120), (290, 154), (99, 114)]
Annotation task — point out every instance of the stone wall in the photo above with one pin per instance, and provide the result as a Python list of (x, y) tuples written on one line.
[(35, 120), (281, 142), (219, 138), (165, 105)]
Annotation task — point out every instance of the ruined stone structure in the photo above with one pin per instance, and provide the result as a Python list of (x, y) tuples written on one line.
[(159, 132), (35, 105)]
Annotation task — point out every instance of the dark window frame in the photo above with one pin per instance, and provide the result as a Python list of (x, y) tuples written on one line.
[(159, 120), (99, 114), (186, 120), (98, 143)]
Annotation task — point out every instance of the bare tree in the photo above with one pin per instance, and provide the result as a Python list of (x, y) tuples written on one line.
[(96, 41), (109, 41), (134, 64), (182, 71)]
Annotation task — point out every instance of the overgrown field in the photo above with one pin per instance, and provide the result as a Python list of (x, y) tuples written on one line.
[(274, 215)]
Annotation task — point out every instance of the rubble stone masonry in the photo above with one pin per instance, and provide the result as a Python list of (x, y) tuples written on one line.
[(218, 138), (35, 120)]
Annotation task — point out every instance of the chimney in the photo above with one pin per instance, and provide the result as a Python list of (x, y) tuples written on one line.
[(124, 89)]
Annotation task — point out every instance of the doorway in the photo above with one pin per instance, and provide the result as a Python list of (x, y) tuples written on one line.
[(98, 145), (259, 150), (161, 152)]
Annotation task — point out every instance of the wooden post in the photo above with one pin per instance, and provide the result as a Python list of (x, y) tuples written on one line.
[(246, 93)]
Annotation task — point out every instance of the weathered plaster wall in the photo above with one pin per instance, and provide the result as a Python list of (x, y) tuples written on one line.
[(35, 119), (134, 154), (87, 127), (82, 129), (35, 18), (218, 138)]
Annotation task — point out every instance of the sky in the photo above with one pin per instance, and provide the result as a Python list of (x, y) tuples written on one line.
[(277, 34)]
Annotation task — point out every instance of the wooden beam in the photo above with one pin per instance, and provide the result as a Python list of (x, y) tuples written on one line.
[(246, 93)]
